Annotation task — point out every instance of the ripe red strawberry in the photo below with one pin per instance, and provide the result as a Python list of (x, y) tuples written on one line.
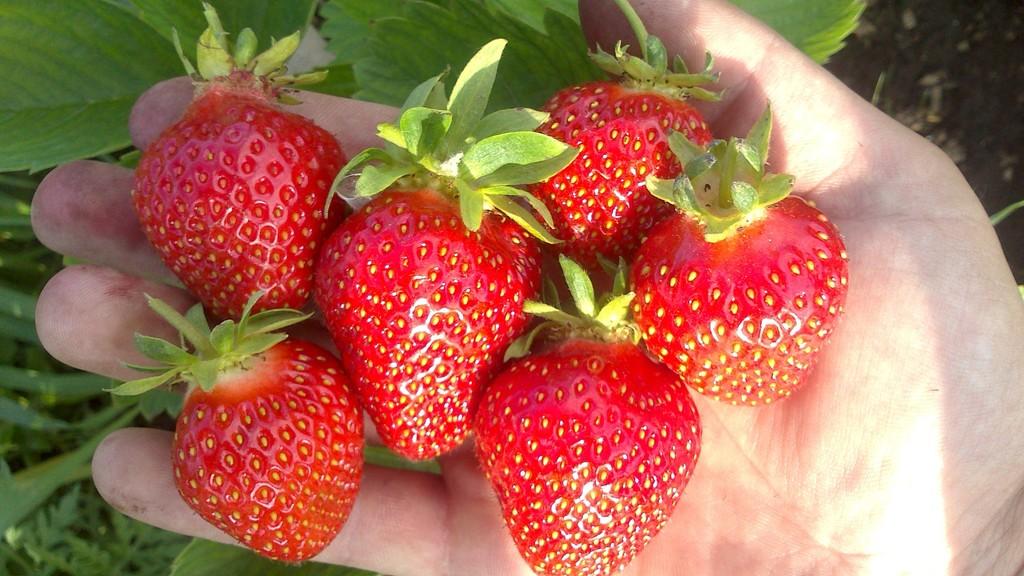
[(599, 202), (588, 445), (232, 196), (739, 300), (268, 447), (422, 310), (423, 289)]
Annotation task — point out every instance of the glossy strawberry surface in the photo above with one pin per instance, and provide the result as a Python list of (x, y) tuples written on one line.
[(742, 319), (600, 202), (588, 446), (273, 454), (422, 310), (232, 197)]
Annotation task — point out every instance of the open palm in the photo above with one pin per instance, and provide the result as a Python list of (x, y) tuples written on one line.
[(902, 455)]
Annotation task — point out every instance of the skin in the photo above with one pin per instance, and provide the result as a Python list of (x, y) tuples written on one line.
[(903, 454)]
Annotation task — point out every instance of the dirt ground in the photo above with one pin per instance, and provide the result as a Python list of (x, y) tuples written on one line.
[(953, 71)]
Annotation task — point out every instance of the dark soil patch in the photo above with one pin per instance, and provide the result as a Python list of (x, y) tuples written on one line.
[(954, 72)]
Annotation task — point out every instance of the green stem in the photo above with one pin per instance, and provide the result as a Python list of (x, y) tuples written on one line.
[(728, 175), (639, 30), (1006, 212)]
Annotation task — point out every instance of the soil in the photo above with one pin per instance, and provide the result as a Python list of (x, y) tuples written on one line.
[(954, 72)]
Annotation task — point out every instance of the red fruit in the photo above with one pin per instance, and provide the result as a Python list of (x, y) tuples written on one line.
[(588, 446), (739, 291), (232, 196), (273, 454), (422, 310), (742, 319), (600, 202)]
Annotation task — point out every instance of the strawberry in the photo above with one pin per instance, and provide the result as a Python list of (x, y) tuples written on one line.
[(422, 309), (588, 444), (740, 290), (599, 202), (268, 446), (423, 288), (232, 196)]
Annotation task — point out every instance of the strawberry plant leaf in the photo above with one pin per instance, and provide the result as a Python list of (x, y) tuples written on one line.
[(533, 12), (549, 312), (267, 18), (817, 27), (509, 120), (404, 42), (579, 284), (530, 157), (744, 196), (160, 401), (471, 206), (161, 350), (423, 128), (523, 217), (616, 310), (259, 343), (222, 337), (472, 91), (429, 94), (272, 320), (376, 178), (73, 90), (530, 199), (141, 385)]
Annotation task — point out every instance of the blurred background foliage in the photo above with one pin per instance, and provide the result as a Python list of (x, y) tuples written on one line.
[(72, 72)]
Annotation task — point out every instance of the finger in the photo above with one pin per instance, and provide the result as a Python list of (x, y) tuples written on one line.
[(82, 209), (823, 132), (352, 122), (396, 527), (87, 316)]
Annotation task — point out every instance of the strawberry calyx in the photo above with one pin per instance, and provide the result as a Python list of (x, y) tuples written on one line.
[(227, 347), (451, 145), (237, 66), (651, 71), (604, 318), (725, 185)]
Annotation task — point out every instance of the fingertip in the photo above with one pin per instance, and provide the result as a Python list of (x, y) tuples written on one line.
[(158, 108)]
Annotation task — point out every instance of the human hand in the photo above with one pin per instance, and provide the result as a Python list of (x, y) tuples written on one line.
[(902, 454)]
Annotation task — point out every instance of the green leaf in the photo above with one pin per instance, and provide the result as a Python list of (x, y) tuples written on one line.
[(472, 91), (161, 350), (616, 310), (683, 148), (532, 200), (74, 69), (523, 217), (423, 128), (272, 320), (222, 337), (817, 27), (258, 343), (192, 326), (348, 26), (25, 491), (206, 372), (533, 13), (141, 385), (549, 312), (14, 413), (429, 94), (71, 387), (755, 146), (267, 18), (517, 158), (205, 558), (471, 206), (775, 187), (375, 179), (393, 57), (160, 401), (579, 284), (521, 346), (509, 120), (744, 196)]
